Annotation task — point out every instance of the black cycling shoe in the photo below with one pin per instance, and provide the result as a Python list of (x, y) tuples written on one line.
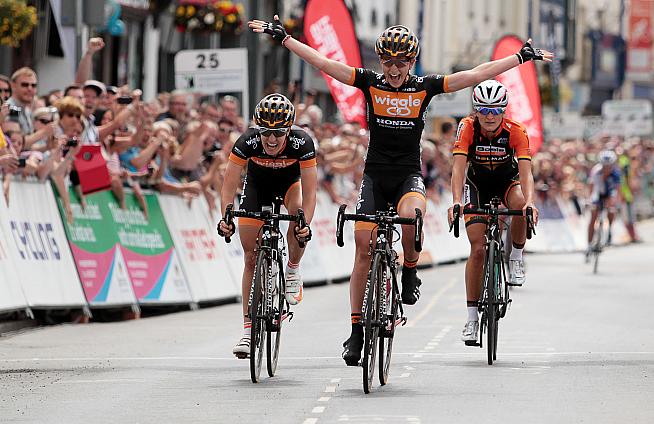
[(410, 284), (353, 347)]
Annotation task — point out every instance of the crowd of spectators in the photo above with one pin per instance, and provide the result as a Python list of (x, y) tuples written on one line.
[(180, 142)]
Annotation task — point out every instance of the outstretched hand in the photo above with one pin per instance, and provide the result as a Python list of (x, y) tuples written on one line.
[(528, 52), (275, 29)]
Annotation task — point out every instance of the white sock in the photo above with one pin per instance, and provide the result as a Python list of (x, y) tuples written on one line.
[(472, 313), (516, 254), (247, 329), (292, 268)]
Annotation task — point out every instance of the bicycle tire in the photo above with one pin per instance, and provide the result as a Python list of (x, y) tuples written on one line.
[(274, 335), (257, 308), (491, 321), (371, 326), (597, 243), (496, 306), (386, 341)]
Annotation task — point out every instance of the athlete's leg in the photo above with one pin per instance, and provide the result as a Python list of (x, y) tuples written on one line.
[(294, 286), (476, 228), (591, 225), (514, 199), (247, 232), (413, 196)]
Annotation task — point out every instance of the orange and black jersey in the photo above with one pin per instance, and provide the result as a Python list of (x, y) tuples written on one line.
[(495, 157), (299, 152), (396, 116)]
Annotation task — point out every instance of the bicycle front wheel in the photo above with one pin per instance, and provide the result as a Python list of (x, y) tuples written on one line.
[(392, 316), (597, 244), (491, 319), (278, 315), (257, 315), (371, 322)]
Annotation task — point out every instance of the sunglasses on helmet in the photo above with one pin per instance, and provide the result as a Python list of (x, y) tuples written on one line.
[(494, 110), (267, 132)]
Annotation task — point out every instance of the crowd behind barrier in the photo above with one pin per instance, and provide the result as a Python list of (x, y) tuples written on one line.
[(149, 237)]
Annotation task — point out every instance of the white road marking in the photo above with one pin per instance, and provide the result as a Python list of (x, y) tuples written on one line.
[(318, 410), (330, 389), (432, 302), (108, 380), (310, 421), (405, 375), (335, 380), (324, 399)]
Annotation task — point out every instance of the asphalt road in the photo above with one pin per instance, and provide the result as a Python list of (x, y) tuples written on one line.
[(575, 347)]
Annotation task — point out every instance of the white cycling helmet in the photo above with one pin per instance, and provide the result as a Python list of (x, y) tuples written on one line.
[(607, 157), (490, 93)]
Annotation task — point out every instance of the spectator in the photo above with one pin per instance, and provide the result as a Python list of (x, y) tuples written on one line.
[(23, 89), (177, 108), (5, 88), (230, 106)]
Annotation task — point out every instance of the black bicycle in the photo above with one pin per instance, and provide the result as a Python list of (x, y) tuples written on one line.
[(599, 240), (382, 307), (267, 306), (494, 299)]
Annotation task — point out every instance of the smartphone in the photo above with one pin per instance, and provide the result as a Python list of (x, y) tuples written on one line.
[(22, 162), (124, 100), (71, 142)]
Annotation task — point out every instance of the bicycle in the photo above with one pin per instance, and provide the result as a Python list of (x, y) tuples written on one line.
[(267, 306), (598, 242), (495, 298), (382, 308)]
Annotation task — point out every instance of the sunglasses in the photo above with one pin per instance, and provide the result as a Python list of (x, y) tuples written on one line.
[(27, 84), (5, 90), (225, 130), (74, 115), (400, 63), (277, 133), (494, 110), (44, 120)]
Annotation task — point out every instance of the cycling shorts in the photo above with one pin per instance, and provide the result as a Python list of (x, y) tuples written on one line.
[(381, 188), (476, 194), (259, 192)]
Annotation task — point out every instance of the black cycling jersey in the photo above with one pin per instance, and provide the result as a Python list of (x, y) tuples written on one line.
[(396, 116), (299, 152)]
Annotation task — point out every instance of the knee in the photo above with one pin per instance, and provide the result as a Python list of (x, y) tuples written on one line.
[(250, 259), (477, 252)]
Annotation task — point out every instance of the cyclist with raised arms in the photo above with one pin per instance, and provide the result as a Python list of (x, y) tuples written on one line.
[(281, 162), (604, 183), (396, 104), (495, 149)]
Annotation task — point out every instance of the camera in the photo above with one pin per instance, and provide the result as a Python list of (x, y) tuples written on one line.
[(72, 142), (124, 100), (15, 111), (22, 162)]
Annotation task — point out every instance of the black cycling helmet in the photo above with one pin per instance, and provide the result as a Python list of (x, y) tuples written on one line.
[(397, 40), (274, 111)]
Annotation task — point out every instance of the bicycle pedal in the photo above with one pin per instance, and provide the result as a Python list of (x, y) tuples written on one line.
[(471, 343), (513, 284), (242, 355)]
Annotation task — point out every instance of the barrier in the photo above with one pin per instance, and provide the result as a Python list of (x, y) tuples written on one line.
[(38, 247), (118, 258), (202, 254)]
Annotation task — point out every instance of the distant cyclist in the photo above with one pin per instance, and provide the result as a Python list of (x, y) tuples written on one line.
[(281, 162), (604, 184), (396, 107), (495, 150)]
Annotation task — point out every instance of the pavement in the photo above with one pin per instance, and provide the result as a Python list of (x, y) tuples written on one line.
[(574, 347)]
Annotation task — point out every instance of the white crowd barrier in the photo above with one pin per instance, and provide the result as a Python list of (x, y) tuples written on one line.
[(38, 247), (184, 261)]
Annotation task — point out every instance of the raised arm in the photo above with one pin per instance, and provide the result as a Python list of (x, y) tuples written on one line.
[(85, 64), (488, 70), (337, 70)]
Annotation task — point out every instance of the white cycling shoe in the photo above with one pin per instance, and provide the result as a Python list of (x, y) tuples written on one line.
[(242, 348), (293, 291), (470, 331), (516, 272)]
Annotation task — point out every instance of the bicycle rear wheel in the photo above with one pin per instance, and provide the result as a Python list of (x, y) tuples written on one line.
[(491, 319), (597, 243), (388, 331), (371, 323), (257, 312), (275, 330)]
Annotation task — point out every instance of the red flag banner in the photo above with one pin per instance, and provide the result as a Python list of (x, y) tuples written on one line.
[(639, 45), (329, 29), (524, 95)]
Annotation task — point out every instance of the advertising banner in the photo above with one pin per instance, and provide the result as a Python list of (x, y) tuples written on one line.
[(11, 294), (524, 95), (127, 247), (38, 247), (94, 243), (329, 29), (639, 43), (202, 253)]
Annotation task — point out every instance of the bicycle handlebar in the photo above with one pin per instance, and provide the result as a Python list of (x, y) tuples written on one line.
[(529, 214), (230, 213), (382, 217)]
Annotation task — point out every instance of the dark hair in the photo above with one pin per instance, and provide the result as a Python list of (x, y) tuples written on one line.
[(446, 127), (5, 79), (225, 121), (71, 87)]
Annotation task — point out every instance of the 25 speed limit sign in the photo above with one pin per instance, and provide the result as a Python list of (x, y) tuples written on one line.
[(211, 71)]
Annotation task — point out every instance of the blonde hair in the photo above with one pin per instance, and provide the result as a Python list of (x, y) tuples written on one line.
[(69, 105), (23, 72)]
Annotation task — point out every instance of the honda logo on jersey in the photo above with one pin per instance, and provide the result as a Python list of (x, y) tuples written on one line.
[(405, 105)]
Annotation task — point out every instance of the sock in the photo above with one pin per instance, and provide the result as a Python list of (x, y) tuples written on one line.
[(356, 318), (472, 313), (516, 253), (247, 328), (292, 268), (410, 264)]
